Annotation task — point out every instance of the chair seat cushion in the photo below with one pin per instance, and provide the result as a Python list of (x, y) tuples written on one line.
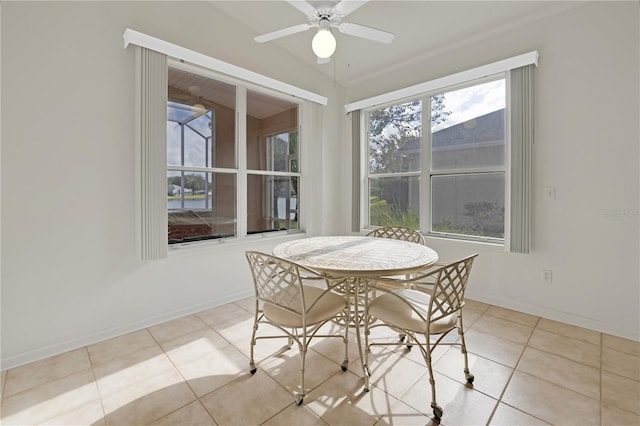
[(390, 309), (328, 305)]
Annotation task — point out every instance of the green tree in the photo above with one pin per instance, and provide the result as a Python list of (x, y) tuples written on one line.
[(391, 127), (196, 182)]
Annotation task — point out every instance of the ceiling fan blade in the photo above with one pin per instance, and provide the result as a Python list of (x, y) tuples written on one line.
[(303, 7), (324, 60), (345, 7), (282, 33), (366, 32)]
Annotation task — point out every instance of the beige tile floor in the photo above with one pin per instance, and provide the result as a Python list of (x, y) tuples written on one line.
[(194, 371)]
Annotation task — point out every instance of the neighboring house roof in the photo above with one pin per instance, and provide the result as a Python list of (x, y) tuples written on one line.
[(484, 129)]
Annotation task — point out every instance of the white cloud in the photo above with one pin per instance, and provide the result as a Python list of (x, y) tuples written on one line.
[(472, 102)]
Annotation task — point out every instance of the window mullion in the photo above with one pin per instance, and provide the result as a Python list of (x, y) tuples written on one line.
[(273, 173), (395, 174), (365, 172), (479, 170), (241, 147), (425, 167), (201, 169)]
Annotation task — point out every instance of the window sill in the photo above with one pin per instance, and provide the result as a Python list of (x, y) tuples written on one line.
[(225, 243), (497, 246)]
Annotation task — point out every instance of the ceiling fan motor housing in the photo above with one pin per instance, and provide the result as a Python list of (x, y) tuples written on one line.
[(325, 15)]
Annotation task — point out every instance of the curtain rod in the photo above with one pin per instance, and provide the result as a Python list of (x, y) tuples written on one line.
[(178, 52), (438, 83)]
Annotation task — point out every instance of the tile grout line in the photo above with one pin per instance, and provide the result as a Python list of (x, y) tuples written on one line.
[(284, 387), (599, 399), (3, 379), (239, 377), (184, 380), (602, 371), (601, 337), (31, 388), (95, 383), (515, 368), (601, 377), (566, 357)]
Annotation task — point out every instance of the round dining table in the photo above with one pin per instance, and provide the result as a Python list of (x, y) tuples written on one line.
[(357, 256), (347, 261)]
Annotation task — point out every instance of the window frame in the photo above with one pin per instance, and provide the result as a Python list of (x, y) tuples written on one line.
[(241, 170), (269, 139), (426, 173), (183, 169)]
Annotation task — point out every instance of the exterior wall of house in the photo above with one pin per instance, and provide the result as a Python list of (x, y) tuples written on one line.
[(452, 148)]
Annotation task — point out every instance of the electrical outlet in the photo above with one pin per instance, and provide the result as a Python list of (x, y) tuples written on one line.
[(547, 276)]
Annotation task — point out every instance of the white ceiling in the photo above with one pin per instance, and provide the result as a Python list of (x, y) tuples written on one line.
[(421, 28)]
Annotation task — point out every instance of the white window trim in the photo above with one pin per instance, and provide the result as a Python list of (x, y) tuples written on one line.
[(242, 210), (449, 80), (151, 229), (241, 171), (172, 50), (507, 164), (495, 169), (425, 172)]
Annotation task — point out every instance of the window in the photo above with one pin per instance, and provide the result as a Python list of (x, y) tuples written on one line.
[(437, 162), (205, 163), (467, 168), (204, 174), (272, 162), (394, 165), (387, 125)]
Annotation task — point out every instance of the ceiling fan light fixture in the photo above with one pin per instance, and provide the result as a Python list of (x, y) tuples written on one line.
[(323, 43), (198, 109)]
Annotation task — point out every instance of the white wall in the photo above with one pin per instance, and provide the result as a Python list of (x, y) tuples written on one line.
[(586, 146), (70, 274)]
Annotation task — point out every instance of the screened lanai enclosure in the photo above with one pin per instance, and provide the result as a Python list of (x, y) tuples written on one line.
[(204, 151)]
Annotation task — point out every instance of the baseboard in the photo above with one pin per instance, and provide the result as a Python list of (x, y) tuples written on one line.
[(73, 344), (589, 323), (38, 354)]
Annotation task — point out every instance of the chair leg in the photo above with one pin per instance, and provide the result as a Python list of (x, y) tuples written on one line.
[(463, 347), (345, 362), (301, 394), (364, 357), (290, 340), (366, 373), (252, 364), (437, 410), (402, 338)]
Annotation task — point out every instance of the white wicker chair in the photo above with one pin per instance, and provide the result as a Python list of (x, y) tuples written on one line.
[(421, 315), (398, 233), (298, 302)]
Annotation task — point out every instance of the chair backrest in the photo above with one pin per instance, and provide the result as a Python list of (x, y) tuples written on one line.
[(447, 296), (398, 233), (277, 281)]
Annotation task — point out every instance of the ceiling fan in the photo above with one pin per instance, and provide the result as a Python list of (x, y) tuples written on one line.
[(324, 16)]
